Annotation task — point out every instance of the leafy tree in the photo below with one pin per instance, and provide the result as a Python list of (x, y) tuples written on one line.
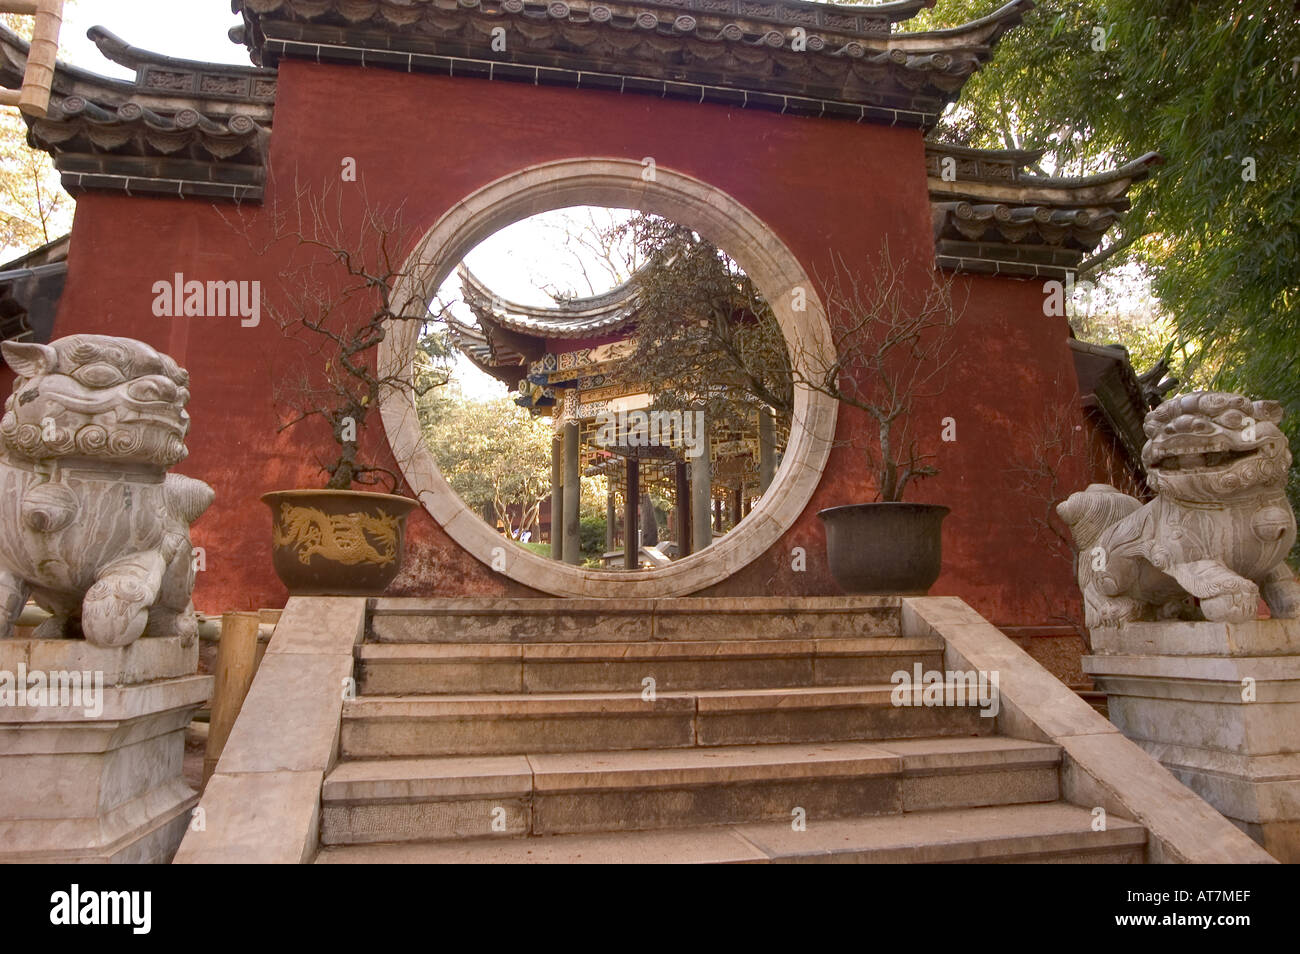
[(1215, 88), (494, 454), (705, 337)]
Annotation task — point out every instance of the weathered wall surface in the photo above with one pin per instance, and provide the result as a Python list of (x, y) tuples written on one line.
[(822, 186)]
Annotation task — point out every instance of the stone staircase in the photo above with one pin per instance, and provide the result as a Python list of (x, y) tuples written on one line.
[(701, 730)]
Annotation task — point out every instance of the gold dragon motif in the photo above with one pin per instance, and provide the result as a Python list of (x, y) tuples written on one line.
[(343, 538)]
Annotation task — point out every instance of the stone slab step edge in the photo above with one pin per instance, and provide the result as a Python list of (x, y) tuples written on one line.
[(1037, 833), (429, 668), (506, 723), (581, 620), (418, 800)]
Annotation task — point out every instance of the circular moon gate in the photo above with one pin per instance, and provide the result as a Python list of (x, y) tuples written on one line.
[(618, 184)]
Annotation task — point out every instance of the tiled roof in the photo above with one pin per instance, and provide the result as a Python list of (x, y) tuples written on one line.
[(991, 216), (180, 128), (787, 55), (576, 318)]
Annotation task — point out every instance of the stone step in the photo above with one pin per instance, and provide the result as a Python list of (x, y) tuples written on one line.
[(425, 668), (506, 723), (1054, 832), (491, 620), (369, 801)]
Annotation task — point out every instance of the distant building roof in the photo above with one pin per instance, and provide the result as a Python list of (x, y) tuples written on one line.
[(30, 288)]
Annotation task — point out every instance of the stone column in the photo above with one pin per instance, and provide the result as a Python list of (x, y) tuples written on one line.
[(702, 500), (1218, 704), (649, 522), (96, 776), (631, 506), (557, 499), (766, 449), (611, 515), (572, 495)]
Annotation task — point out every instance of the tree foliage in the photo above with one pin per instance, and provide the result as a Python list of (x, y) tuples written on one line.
[(34, 209), (705, 336), (494, 454), (1215, 88)]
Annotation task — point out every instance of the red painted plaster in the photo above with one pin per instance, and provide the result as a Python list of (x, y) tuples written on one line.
[(821, 185)]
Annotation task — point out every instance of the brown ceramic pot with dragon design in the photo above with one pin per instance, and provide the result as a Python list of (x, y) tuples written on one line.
[(337, 542)]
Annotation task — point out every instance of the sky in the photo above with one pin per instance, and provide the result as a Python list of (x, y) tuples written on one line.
[(190, 29)]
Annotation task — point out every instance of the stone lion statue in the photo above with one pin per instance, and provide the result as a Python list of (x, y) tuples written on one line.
[(91, 524), (1217, 531)]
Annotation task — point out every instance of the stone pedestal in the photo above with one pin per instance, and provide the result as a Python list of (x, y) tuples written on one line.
[(1218, 704), (97, 778)]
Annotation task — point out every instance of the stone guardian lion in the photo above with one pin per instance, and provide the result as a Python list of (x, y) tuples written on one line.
[(91, 524), (1214, 539)]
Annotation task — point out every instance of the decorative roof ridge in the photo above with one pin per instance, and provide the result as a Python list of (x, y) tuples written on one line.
[(116, 49), (180, 128), (13, 54), (808, 13), (155, 76), (1134, 171), (1022, 157), (989, 28)]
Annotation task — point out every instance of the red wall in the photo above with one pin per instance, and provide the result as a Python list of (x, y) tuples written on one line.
[(820, 185)]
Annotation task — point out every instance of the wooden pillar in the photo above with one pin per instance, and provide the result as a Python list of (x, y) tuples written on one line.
[(557, 499), (631, 506), (236, 664), (717, 515), (736, 494), (682, 510), (572, 495), (766, 449)]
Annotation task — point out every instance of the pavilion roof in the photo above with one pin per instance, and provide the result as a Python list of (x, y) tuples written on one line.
[(818, 59), (181, 127), (993, 216), (588, 317)]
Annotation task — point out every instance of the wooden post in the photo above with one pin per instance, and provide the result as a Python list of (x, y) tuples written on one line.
[(236, 664), (736, 493), (631, 506), (34, 96), (683, 510)]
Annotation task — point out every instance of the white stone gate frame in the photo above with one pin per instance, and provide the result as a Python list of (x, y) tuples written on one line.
[(618, 183)]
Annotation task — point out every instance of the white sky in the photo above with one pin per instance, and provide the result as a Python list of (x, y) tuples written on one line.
[(191, 29)]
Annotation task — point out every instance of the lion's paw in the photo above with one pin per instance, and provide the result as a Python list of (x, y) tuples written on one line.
[(1237, 606)]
